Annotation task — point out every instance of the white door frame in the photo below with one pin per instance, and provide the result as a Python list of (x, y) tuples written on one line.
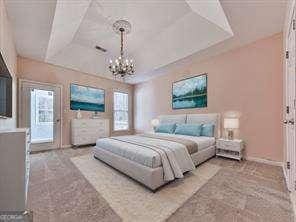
[(289, 109), (21, 120)]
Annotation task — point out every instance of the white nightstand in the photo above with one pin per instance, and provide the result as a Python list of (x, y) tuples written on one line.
[(230, 148)]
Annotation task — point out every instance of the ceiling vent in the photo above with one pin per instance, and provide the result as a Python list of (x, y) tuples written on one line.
[(100, 48)]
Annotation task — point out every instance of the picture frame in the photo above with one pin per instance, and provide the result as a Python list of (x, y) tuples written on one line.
[(190, 93), (87, 98)]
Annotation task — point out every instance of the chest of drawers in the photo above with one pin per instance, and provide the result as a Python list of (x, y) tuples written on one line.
[(87, 131), (14, 169)]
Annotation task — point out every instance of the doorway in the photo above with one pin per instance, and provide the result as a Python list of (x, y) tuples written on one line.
[(40, 111)]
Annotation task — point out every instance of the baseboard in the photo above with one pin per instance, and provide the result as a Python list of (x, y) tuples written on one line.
[(66, 146), (293, 201), (261, 160)]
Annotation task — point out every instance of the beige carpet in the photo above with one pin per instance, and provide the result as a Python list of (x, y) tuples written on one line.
[(133, 202)]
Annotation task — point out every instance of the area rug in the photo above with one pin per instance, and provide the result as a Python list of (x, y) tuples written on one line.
[(132, 201)]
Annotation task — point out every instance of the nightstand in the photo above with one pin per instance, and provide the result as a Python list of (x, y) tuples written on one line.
[(230, 148)]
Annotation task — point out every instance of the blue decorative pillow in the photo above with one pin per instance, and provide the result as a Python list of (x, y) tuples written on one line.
[(165, 128), (208, 130), (188, 129)]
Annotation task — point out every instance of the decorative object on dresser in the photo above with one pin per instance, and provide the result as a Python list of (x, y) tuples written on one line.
[(230, 148), (230, 124), (87, 131), (78, 114), (14, 169)]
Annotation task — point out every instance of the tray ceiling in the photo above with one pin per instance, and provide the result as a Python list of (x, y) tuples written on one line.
[(65, 33)]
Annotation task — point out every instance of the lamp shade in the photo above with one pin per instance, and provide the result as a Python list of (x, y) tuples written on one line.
[(155, 122), (231, 123)]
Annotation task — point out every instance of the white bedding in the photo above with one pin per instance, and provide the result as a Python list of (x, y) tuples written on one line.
[(132, 152), (202, 141), (175, 158), (148, 157)]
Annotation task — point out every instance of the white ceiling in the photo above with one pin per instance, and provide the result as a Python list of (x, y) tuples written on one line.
[(65, 32)]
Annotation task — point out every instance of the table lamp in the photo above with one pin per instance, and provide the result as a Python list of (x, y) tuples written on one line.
[(155, 123), (230, 124)]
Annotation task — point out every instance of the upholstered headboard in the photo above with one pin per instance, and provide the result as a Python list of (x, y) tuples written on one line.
[(213, 118), (172, 118)]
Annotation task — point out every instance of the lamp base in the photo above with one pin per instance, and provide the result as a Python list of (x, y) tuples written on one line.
[(230, 134)]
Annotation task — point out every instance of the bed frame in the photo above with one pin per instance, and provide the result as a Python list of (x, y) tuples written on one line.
[(153, 177)]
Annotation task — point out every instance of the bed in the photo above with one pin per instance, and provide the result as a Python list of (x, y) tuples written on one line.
[(154, 159)]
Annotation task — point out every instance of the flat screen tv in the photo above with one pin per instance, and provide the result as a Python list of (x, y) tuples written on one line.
[(5, 90)]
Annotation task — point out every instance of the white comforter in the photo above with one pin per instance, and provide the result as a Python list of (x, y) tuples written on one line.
[(202, 141), (174, 156)]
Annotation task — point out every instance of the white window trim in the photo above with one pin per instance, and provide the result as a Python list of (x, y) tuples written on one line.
[(128, 110)]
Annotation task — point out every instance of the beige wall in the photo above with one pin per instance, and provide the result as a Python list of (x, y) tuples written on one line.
[(247, 80), (8, 52), (43, 72)]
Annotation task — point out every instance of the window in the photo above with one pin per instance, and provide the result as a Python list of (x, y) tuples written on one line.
[(44, 107), (120, 111), (42, 116)]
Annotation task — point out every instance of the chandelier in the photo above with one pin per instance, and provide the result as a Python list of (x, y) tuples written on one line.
[(122, 66)]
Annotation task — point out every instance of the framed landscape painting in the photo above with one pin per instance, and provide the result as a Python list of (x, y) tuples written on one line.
[(190, 93), (87, 98)]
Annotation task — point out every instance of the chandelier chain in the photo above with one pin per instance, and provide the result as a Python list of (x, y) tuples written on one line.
[(121, 48)]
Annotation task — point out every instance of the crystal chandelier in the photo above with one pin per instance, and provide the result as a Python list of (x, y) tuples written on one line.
[(122, 66)]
